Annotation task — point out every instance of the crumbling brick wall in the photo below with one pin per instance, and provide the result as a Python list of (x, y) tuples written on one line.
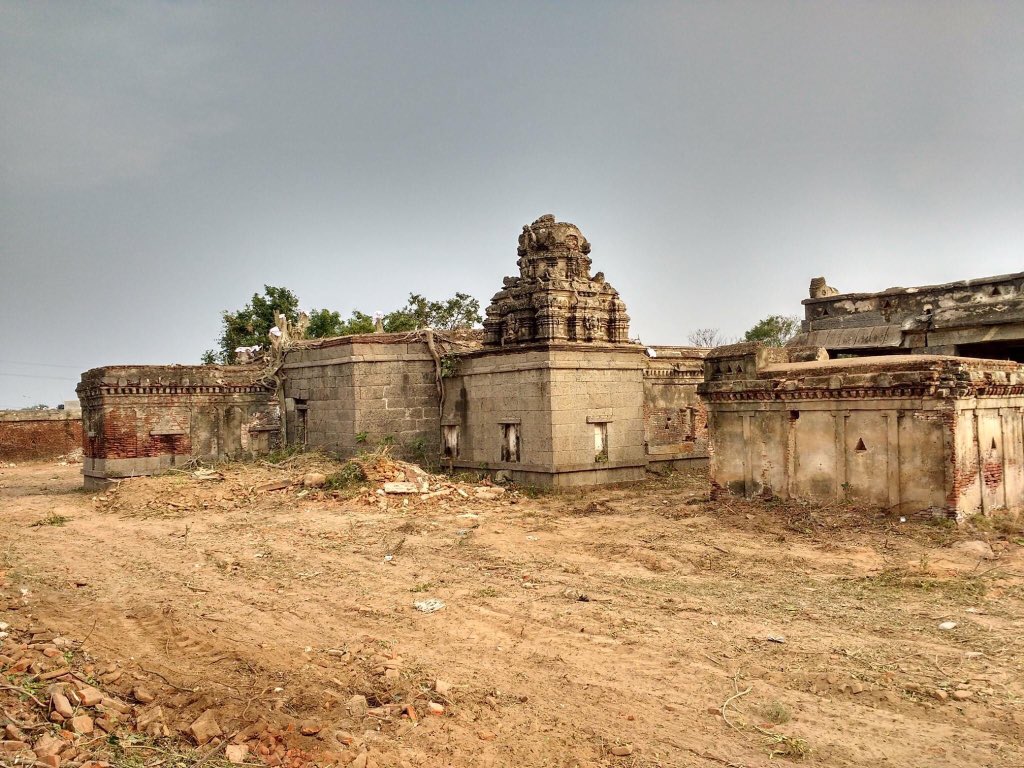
[(675, 416), (36, 435), (139, 420)]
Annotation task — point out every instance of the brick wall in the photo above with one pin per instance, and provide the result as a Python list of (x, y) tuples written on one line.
[(139, 420), (35, 435), (675, 416)]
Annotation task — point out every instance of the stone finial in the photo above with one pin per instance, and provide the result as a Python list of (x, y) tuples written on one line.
[(820, 289)]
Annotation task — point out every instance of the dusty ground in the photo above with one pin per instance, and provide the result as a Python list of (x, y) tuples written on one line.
[(576, 625)]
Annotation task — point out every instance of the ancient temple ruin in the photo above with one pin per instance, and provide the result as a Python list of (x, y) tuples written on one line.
[(552, 392), (981, 318), (883, 398), (138, 420)]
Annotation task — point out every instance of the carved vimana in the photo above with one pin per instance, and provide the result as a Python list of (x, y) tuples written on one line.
[(554, 298)]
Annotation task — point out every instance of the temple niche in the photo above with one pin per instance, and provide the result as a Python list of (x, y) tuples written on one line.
[(555, 298)]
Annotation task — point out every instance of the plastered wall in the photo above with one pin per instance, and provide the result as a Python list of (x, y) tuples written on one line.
[(910, 434)]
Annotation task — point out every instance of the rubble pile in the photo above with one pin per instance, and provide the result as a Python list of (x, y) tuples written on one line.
[(388, 476), (62, 708), (75, 456), (372, 479), (58, 708)]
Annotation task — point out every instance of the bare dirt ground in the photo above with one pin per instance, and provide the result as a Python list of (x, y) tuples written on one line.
[(634, 626)]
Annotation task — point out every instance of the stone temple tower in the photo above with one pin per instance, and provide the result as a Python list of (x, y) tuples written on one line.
[(554, 298)]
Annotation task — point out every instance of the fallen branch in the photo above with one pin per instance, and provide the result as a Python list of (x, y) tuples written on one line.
[(728, 701), (154, 672), (23, 692)]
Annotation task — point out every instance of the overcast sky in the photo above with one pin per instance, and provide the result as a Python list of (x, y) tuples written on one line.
[(160, 162)]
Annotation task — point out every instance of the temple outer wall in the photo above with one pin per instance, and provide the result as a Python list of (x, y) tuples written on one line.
[(348, 394), (675, 416), (37, 435), (901, 433), (142, 420), (557, 397)]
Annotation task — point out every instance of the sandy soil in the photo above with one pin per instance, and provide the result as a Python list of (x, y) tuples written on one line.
[(576, 626)]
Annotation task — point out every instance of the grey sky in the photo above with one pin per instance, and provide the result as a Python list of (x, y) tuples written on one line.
[(160, 162)]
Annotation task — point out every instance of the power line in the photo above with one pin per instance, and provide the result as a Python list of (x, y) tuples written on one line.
[(42, 365), (30, 376)]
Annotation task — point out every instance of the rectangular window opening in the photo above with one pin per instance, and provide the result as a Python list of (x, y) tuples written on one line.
[(510, 442), (601, 442), (450, 437)]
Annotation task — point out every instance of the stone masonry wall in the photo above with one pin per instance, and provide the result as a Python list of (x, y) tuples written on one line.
[(35, 435), (557, 397), (977, 318), (351, 393)]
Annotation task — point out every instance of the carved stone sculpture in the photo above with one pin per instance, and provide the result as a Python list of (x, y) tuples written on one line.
[(820, 289), (554, 298)]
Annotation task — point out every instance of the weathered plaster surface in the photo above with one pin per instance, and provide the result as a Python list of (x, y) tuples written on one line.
[(908, 433)]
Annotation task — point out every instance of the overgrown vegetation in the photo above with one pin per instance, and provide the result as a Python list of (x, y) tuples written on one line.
[(250, 325), (52, 519), (774, 330), (775, 712), (899, 581), (351, 475)]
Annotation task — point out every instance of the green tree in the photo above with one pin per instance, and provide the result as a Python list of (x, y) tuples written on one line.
[(774, 330), (323, 323), (360, 322), (460, 311), (250, 325)]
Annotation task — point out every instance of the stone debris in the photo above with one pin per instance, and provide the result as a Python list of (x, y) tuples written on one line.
[(88, 720), (431, 605), (143, 695), (401, 487), (357, 706), (82, 724), (236, 753), (375, 480), (314, 480), (89, 696), (205, 727), (60, 704), (946, 626)]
